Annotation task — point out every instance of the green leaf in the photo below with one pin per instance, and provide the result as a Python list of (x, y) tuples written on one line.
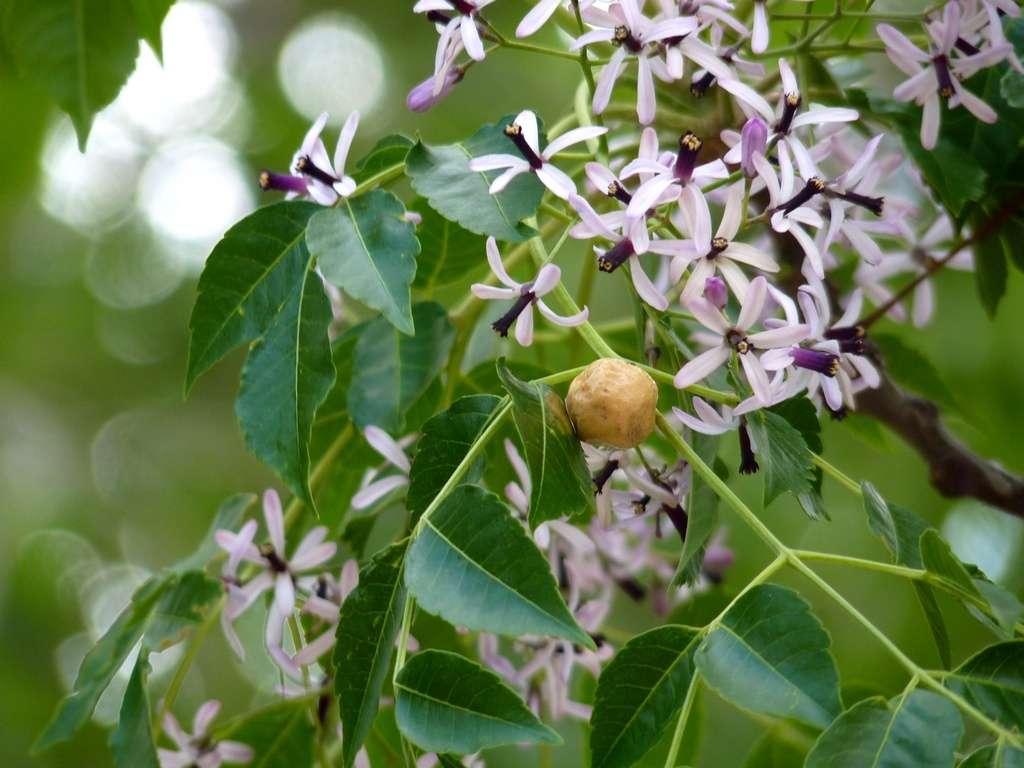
[(702, 514), (102, 662), (559, 478), (281, 735), (387, 154), (999, 755), (370, 618), (149, 15), (1011, 87), (916, 729), (936, 623), (993, 681), (914, 370), (1011, 232), (990, 270), (640, 693), (447, 438), (901, 531), (442, 175), (391, 370), (287, 375), (446, 703), (474, 565), (782, 454), (775, 750), (939, 560), (449, 252), (993, 146), (899, 528), (132, 738), (1004, 609), (802, 416), (228, 517), (247, 281), (80, 51), (182, 608), (367, 248), (771, 655), (446, 760), (956, 177)]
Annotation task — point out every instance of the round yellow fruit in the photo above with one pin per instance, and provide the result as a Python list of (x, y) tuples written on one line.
[(613, 402)]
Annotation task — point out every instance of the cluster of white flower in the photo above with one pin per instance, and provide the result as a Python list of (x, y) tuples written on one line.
[(793, 178)]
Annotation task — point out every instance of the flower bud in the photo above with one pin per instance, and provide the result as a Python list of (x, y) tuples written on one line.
[(753, 141), (716, 292)]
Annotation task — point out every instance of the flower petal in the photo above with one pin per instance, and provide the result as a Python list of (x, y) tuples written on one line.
[(701, 366)]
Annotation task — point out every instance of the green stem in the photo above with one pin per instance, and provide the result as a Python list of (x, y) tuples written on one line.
[(723, 491), (531, 48), (186, 663), (489, 431), (793, 559), (837, 474), (915, 574), (918, 673), (684, 715)]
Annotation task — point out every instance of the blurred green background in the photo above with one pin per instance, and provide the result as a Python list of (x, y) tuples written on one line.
[(107, 473)]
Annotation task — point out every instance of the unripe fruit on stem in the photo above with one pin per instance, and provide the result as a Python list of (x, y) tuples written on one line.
[(613, 402)]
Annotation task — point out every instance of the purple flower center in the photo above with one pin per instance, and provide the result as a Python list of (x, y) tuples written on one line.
[(619, 192), (283, 182), (748, 464), (815, 360), (738, 341), (503, 323), (601, 478), (515, 132), (943, 76), (850, 338), (700, 86), (274, 561), (874, 204), (623, 36), (813, 186), (615, 256), (463, 7), (718, 244), (686, 160), (791, 103), (306, 167)]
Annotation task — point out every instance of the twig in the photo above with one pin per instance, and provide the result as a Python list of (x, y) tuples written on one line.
[(955, 471)]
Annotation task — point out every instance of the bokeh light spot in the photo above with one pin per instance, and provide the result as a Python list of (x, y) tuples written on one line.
[(193, 90), (332, 63), (191, 191)]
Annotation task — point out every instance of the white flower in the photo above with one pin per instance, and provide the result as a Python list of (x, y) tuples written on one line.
[(526, 295), (625, 249), (540, 13), (374, 489), (736, 338), (625, 27), (199, 750), (942, 72), (706, 254), (327, 181), (523, 132), (280, 574), (458, 32)]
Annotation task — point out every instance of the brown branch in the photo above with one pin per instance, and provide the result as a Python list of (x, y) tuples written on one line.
[(955, 471), (983, 231)]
